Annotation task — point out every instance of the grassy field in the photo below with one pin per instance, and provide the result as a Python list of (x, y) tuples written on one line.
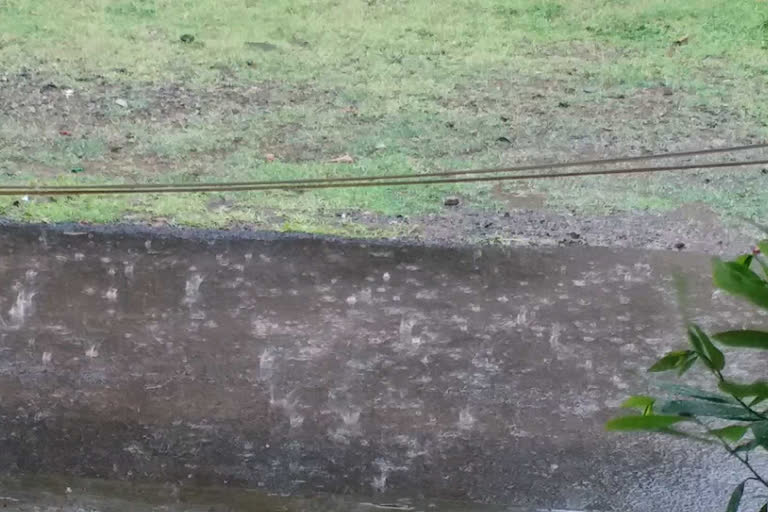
[(400, 85)]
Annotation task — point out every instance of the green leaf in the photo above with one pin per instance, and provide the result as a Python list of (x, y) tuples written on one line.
[(764, 508), (707, 409), (757, 400), (740, 281), (759, 388), (760, 431), (735, 501), (687, 363), (744, 260), (671, 361), (641, 402), (743, 339), (648, 423), (690, 391), (761, 259), (731, 433), (747, 447), (703, 346)]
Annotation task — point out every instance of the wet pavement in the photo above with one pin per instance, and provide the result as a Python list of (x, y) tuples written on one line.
[(310, 366)]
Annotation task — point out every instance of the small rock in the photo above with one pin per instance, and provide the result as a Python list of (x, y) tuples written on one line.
[(187, 38), (49, 87), (574, 235), (68, 93), (121, 102), (451, 201), (380, 146), (679, 246), (563, 104), (269, 157), (764, 171), (504, 139), (667, 91)]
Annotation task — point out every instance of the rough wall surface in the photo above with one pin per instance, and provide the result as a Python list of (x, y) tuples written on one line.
[(298, 364)]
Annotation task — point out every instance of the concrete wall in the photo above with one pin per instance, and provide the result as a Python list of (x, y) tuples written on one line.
[(298, 365)]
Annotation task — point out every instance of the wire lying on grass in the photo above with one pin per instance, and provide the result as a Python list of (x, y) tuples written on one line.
[(471, 176)]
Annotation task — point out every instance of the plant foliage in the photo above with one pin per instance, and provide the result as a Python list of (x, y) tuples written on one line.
[(732, 417)]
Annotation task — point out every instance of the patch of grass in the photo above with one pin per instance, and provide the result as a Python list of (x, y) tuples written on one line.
[(741, 193), (401, 86)]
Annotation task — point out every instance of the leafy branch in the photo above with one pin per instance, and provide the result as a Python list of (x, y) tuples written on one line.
[(741, 427)]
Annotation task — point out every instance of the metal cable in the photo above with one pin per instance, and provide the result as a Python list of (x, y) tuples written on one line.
[(25, 189), (50, 191)]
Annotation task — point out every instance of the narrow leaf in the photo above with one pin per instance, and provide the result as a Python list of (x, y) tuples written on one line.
[(648, 423), (690, 391), (697, 345), (747, 447), (740, 281), (743, 339), (764, 508), (732, 433), (758, 389), (735, 501), (707, 351), (712, 410), (687, 364), (744, 260), (638, 402), (762, 259), (760, 431), (670, 361)]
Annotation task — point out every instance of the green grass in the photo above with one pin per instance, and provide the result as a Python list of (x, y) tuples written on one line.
[(402, 85)]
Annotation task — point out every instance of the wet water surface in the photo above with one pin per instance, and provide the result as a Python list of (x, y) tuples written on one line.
[(62, 494)]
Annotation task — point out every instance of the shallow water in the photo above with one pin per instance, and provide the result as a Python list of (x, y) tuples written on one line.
[(63, 494)]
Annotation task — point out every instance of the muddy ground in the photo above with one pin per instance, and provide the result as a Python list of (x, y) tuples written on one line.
[(690, 228)]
